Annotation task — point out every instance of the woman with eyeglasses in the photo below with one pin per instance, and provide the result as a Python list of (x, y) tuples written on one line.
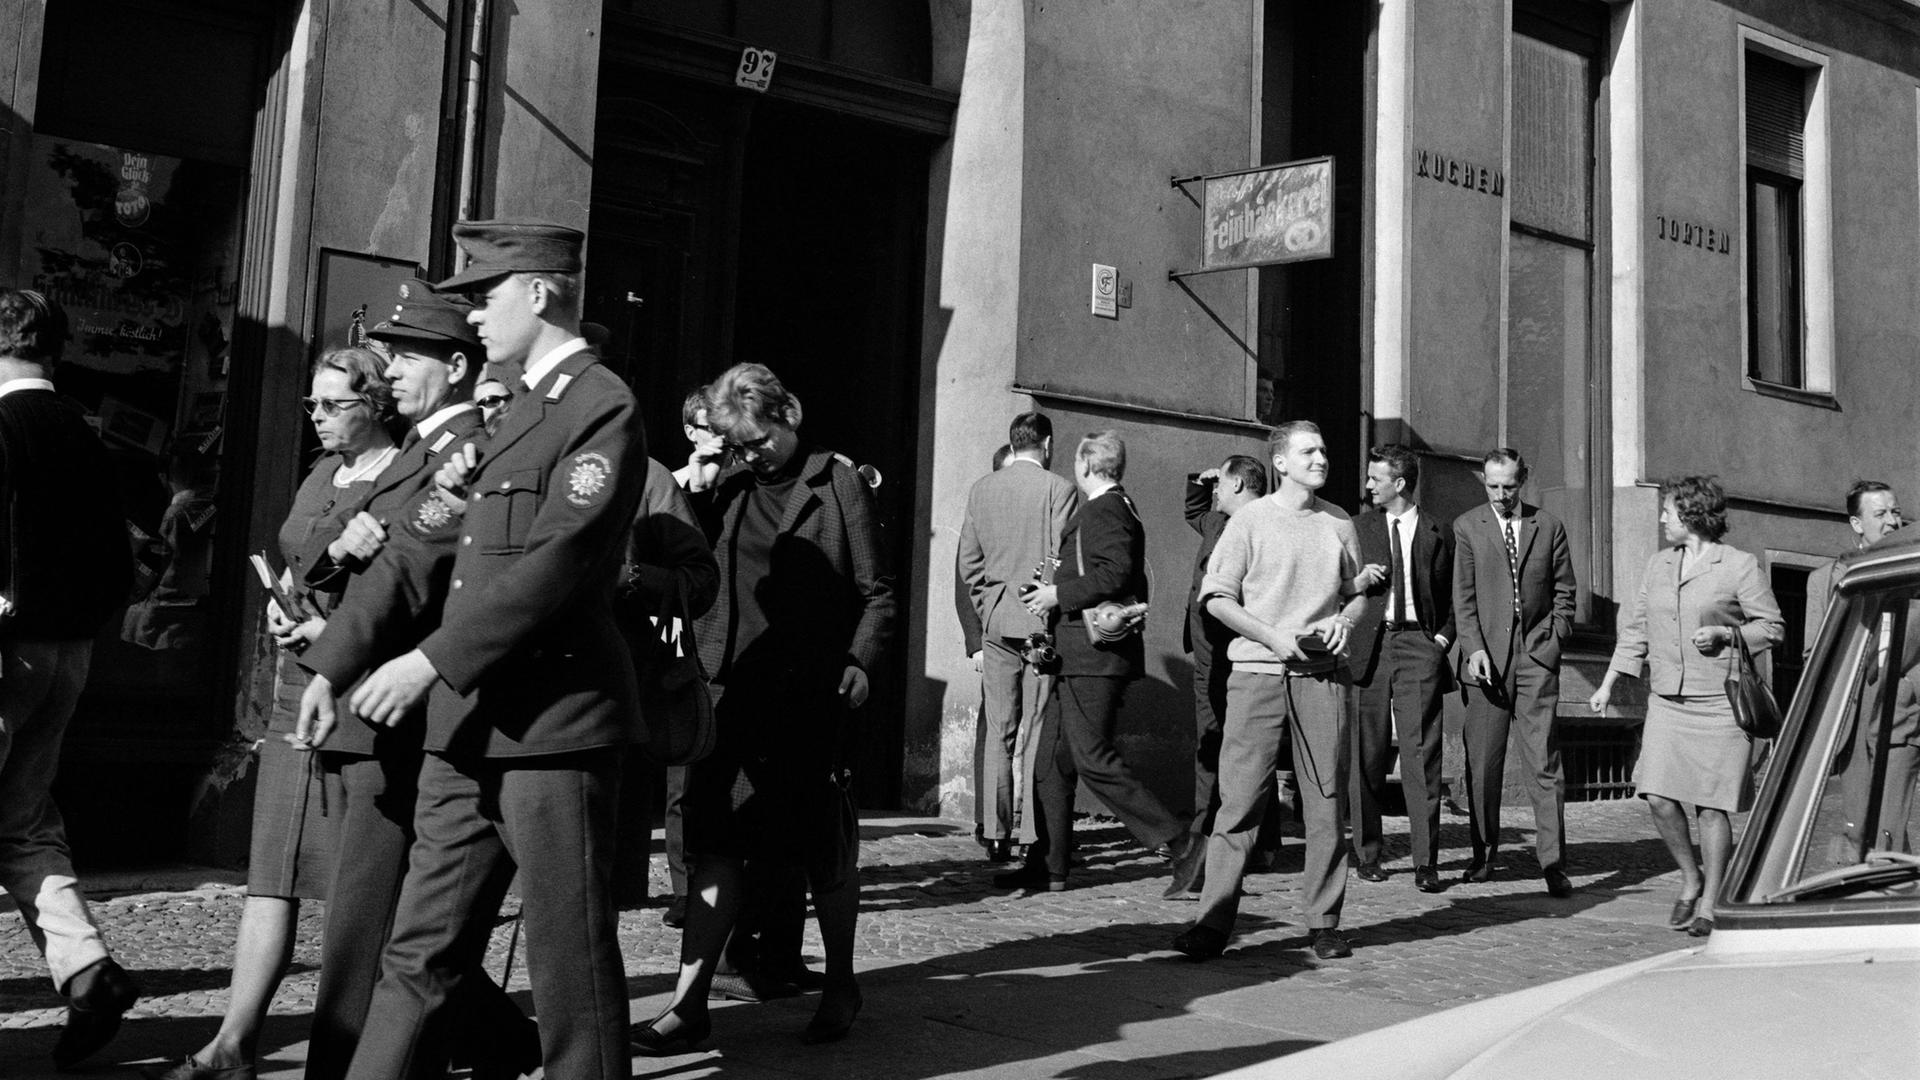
[(351, 409), (803, 616)]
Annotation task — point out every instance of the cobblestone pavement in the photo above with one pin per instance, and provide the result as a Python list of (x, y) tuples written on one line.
[(961, 980)]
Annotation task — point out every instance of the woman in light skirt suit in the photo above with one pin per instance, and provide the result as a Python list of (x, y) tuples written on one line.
[(1695, 596)]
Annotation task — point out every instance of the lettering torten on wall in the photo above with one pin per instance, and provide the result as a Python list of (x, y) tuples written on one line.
[(1453, 171), (1692, 234)]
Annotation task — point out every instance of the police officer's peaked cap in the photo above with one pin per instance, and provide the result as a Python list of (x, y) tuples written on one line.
[(498, 248), (423, 315)]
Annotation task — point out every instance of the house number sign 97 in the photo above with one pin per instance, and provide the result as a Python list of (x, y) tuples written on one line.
[(756, 69)]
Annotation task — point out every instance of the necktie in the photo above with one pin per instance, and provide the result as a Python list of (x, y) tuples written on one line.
[(1510, 529), (1397, 576)]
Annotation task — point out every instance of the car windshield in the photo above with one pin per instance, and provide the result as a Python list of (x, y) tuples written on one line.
[(1841, 827)]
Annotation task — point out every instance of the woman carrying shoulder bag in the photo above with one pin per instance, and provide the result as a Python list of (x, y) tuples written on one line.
[(1695, 596)]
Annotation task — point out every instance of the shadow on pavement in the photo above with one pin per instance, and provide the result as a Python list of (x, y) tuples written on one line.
[(1084, 1004)]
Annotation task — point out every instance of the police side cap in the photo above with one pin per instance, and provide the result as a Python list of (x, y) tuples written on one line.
[(421, 314), (498, 248)]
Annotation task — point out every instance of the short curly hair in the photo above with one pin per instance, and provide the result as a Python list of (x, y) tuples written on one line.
[(1700, 502), (32, 327), (366, 373), (750, 392)]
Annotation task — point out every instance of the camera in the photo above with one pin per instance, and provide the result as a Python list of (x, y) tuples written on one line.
[(1038, 649)]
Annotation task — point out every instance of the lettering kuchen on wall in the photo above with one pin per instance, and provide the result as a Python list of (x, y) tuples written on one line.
[(1441, 169), (1692, 234)]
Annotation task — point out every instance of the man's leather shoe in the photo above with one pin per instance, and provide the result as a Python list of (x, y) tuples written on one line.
[(1370, 871), (676, 913), (1189, 865), (96, 997), (999, 851), (1427, 879), (1478, 872), (1200, 942), (1558, 886), (1032, 877), (1329, 944)]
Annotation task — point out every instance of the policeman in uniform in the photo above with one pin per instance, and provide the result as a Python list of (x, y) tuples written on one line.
[(529, 689), (435, 362)]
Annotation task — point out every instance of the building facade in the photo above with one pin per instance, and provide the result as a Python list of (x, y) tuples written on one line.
[(1632, 239)]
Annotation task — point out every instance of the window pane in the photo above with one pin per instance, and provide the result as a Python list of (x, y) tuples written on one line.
[(1773, 281), (1552, 176), (1548, 373)]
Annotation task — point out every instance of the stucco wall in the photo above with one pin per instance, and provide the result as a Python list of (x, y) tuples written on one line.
[(1121, 96), (1694, 362)]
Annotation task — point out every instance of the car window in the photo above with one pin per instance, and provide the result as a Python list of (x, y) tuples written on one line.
[(1857, 759)]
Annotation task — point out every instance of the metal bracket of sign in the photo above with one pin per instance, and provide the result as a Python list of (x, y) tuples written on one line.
[(1265, 216)]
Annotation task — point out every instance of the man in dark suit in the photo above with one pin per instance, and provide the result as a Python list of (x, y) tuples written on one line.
[(1103, 557), (1212, 498), (1873, 511), (528, 684), (1012, 527), (434, 362), (1398, 657), (64, 569), (1513, 601)]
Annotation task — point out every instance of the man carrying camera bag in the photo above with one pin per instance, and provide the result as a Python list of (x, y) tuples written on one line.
[(1103, 565), (1014, 518)]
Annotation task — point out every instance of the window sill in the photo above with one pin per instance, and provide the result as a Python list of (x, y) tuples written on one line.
[(1817, 398)]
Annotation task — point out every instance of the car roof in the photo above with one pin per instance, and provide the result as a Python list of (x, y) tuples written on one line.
[(1895, 558)]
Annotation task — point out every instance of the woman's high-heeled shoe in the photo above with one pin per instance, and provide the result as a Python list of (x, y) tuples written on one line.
[(686, 1038), (838, 1008), (1682, 914)]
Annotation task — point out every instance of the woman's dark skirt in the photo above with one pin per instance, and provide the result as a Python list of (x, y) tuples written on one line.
[(293, 837)]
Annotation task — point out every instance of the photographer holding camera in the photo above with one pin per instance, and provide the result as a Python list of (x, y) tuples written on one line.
[(1012, 529)]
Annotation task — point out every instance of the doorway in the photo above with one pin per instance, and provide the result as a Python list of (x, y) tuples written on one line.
[(728, 227)]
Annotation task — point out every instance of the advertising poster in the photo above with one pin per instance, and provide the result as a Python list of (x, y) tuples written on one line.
[(1260, 217)]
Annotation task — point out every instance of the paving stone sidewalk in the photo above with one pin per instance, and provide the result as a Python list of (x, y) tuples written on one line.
[(961, 980)]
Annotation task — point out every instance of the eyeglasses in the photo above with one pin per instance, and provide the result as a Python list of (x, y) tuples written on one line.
[(759, 446), (492, 401), (328, 406)]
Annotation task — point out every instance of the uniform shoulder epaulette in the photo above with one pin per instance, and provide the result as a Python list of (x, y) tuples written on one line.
[(440, 442), (560, 384), (844, 460)]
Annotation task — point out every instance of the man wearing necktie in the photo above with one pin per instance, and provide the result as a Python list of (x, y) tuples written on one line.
[(1513, 602), (1398, 658)]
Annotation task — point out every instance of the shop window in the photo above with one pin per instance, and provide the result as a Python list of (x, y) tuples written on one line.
[(1788, 286), (1551, 274)]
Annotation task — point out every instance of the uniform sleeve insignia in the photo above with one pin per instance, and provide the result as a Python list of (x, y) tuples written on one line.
[(431, 514), (588, 478)]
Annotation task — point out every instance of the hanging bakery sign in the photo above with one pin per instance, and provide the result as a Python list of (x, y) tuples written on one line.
[(1266, 216)]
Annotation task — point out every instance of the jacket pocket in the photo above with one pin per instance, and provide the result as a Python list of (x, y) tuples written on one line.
[(508, 511)]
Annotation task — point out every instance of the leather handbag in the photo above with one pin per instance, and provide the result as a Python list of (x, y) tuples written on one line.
[(674, 699), (1754, 708)]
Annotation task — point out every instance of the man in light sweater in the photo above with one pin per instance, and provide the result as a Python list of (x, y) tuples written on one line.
[(1286, 578)]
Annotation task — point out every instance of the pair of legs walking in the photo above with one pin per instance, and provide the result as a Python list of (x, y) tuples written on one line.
[(1311, 712), (1522, 705)]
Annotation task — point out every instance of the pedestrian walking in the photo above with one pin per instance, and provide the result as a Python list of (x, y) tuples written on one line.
[(1103, 561), (1679, 635), (294, 847), (1513, 602), (64, 569), (803, 618), (1010, 532), (1285, 578), (1398, 659), (528, 687)]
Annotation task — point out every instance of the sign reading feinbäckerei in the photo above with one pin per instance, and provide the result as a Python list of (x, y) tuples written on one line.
[(1274, 214)]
